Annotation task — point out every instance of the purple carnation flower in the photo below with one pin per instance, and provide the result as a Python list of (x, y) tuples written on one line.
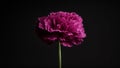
[(65, 27)]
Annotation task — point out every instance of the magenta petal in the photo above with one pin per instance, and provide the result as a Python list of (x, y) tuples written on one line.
[(66, 44)]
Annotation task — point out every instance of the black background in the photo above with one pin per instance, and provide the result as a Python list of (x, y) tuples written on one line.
[(23, 48)]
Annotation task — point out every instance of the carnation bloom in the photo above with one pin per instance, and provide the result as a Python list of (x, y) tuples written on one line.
[(65, 27)]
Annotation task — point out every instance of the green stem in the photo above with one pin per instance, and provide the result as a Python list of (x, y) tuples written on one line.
[(60, 56)]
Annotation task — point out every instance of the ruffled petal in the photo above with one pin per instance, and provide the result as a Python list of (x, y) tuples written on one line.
[(66, 44)]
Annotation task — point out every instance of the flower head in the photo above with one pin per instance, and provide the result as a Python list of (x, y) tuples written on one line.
[(65, 27)]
